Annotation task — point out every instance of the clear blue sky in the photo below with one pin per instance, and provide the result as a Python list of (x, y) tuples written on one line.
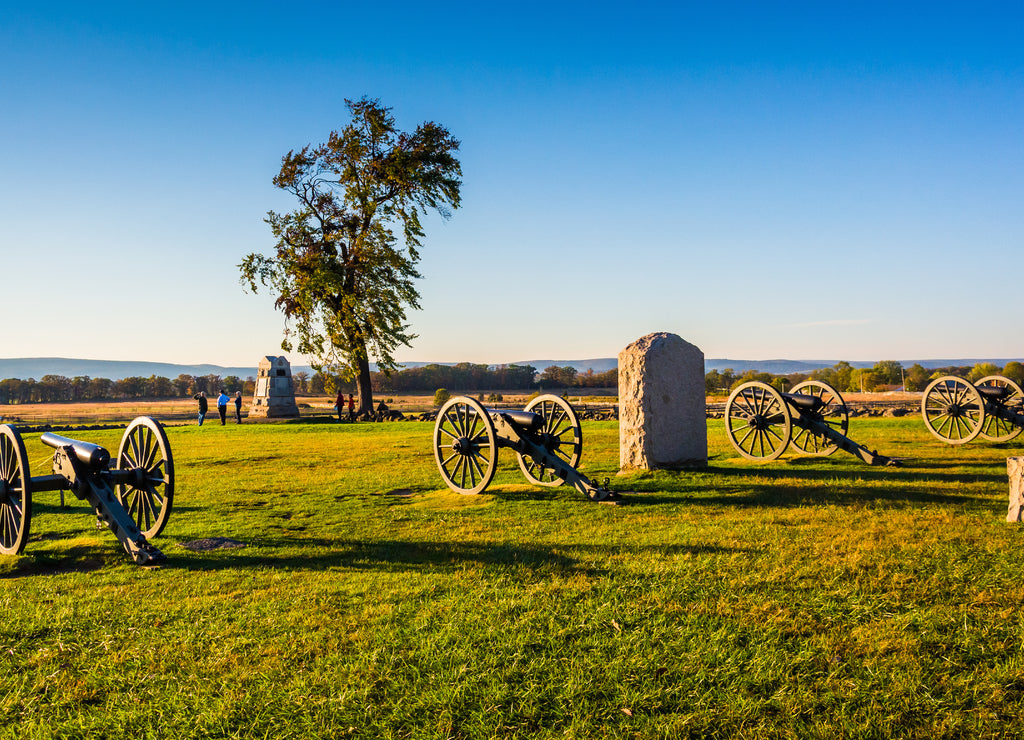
[(799, 180)]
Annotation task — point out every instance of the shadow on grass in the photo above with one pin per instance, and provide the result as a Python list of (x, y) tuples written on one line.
[(778, 496), (787, 484), (80, 559), (398, 555), (312, 420), (82, 508), (830, 469)]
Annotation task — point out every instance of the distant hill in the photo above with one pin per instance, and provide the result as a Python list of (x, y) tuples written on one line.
[(598, 366), (776, 367), (37, 367)]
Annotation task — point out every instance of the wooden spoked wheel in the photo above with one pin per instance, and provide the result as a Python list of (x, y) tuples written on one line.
[(15, 492), (148, 498), (465, 445), (999, 430), (561, 434), (953, 410), (832, 412), (757, 421)]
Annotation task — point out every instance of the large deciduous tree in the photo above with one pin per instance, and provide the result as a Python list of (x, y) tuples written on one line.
[(342, 276)]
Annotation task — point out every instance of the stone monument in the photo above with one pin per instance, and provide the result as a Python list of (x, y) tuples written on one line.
[(275, 393), (1015, 469), (662, 404)]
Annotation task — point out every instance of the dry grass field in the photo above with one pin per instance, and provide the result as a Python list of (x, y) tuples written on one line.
[(178, 411)]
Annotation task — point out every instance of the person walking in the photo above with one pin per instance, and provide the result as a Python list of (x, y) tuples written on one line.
[(238, 407), (339, 404), (351, 408), (203, 405), (222, 406)]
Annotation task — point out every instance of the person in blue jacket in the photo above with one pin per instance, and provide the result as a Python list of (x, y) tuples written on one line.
[(222, 406)]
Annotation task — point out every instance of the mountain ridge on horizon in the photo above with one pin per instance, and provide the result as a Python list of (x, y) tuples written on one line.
[(37, 367)]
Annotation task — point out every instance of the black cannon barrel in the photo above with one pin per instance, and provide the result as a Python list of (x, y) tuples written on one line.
[(91, 454)]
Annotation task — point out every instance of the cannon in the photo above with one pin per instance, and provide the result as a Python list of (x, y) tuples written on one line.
[(546, 437), (957, 411), (132, 498), (761, 422)]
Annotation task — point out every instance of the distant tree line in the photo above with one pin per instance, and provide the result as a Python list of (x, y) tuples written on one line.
[(883, 376), (467, 376), (463, 376), (58, 388)]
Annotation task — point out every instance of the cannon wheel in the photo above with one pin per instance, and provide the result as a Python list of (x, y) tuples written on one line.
[(833, 412), (15, 492), (148, 499), (562, 435), (999, 430), (757, 421), (465, 445), (953, 410)]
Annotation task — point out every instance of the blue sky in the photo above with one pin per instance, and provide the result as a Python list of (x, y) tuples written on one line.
[(798, 180)]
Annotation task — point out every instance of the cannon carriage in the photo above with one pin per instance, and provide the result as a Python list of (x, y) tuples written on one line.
[(546, 437), (130, 494), (761, 422), (957, 411)]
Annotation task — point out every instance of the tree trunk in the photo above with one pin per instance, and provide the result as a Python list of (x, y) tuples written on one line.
[(363, 387)]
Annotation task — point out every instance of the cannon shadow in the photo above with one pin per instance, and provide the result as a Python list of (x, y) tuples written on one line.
[(403, 556), (78, 559), (786, 484), (924, 473)]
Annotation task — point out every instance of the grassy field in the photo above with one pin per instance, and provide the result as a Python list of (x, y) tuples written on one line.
[(801, 598)]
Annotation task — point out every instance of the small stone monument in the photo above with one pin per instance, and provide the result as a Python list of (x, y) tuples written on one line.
[(662, 404), (1015, 469), (275, 394)]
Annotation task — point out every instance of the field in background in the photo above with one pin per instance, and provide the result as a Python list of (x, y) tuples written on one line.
[(805, 597), (184, 410)]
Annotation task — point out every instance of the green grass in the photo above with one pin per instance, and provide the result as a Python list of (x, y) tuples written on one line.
[(800, 598)]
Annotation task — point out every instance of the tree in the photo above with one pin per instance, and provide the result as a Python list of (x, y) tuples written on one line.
[(713, 383), (55, 388), (888, 372), (749, 376), (864, 379), (318, 384), (212, 383), (343, 278), (557, 377), (100, 388), (917, 378), (844, 377), (80, 387), (160, 387), (1014, 371), (184, 384), (981, 370)]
